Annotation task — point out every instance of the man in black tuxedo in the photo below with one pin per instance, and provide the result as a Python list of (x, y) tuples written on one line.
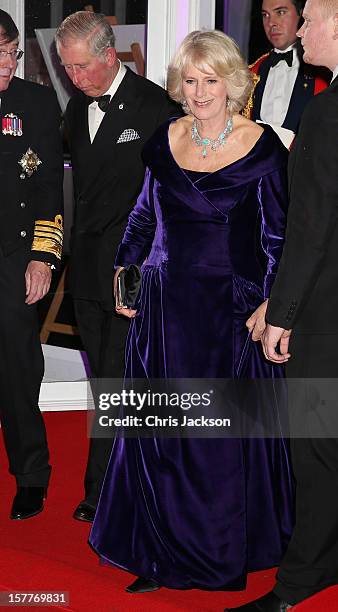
[(302, 319), (31, 231), (107, 122), (285, 84)]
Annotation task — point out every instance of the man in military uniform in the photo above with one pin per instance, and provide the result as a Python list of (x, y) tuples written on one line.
[(31, 229), (284, 82)]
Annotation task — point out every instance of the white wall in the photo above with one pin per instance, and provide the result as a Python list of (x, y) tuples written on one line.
[(168, 23)]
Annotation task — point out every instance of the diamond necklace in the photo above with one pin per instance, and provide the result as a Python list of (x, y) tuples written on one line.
[(214, 144)]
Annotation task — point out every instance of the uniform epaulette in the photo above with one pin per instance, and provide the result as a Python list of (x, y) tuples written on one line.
[(256, 64), (247, 110), (48, 236)]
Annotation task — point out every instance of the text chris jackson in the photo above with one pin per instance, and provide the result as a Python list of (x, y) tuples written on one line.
[(156, 421)]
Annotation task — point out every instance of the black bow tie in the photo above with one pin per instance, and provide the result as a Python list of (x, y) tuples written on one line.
[(275, 58), (103, 102)]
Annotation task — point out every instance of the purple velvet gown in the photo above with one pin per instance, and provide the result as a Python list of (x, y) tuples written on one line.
[(200, 513)]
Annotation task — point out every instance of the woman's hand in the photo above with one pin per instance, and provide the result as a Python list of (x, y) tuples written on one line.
[(256, 323), (126, 312)]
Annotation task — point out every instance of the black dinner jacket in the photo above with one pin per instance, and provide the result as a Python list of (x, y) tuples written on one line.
[(302, 93), (304, 296), (108, 177), (31, 207)]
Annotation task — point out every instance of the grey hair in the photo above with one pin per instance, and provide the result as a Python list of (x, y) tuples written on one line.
[(89, 26), (216, 50)]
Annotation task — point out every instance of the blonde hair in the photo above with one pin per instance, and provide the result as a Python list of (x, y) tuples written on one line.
[(328, 8), (207, 49)]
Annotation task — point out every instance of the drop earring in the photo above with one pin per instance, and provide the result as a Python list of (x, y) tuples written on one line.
[(185, 106)]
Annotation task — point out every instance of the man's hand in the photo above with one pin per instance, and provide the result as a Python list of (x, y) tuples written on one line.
[(38, 277), (256, 323), (270, 338)]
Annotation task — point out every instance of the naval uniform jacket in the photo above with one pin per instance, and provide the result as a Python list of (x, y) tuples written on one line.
[(108, 175), (31, 172), (307, 84)]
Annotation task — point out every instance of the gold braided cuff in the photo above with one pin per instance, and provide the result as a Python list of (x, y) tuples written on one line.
[(48, 236)]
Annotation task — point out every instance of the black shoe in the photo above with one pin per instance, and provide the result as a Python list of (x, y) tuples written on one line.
[(84, 512), (268, 603), (27, 502), (141, 585)]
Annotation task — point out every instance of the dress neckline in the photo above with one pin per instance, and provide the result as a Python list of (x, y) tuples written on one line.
[(195, 175), (214, 172)]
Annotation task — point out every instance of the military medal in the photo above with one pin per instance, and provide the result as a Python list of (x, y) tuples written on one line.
[(29, 162), (11, 125)]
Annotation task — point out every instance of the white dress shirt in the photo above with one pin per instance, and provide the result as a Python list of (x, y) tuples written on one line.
[(335, 73), (95, 114), (278, 89)]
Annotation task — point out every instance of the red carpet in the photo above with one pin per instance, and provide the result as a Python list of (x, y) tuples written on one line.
[(50, 551)]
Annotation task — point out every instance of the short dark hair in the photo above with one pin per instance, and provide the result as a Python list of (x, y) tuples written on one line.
[(299, 5), (8, 29)]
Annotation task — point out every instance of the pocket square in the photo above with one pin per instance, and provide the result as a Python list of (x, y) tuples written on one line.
[(127, 136)]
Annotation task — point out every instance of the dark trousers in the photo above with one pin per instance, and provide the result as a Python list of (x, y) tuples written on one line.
[(311, 561), (103, 334), (21, 372)]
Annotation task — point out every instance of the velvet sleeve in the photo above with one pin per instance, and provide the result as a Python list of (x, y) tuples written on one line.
[(273, 198), (140, 230)]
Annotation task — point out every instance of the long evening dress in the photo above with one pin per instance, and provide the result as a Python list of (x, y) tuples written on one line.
[(200, 513)]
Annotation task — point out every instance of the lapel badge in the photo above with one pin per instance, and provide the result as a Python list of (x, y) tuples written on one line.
[(121, 106), (29, 162), (11, 125)]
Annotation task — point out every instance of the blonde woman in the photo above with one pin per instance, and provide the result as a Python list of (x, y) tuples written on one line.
[(201, 513)]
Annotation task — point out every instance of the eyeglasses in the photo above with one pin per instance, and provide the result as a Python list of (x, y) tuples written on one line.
[(16, 54)]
